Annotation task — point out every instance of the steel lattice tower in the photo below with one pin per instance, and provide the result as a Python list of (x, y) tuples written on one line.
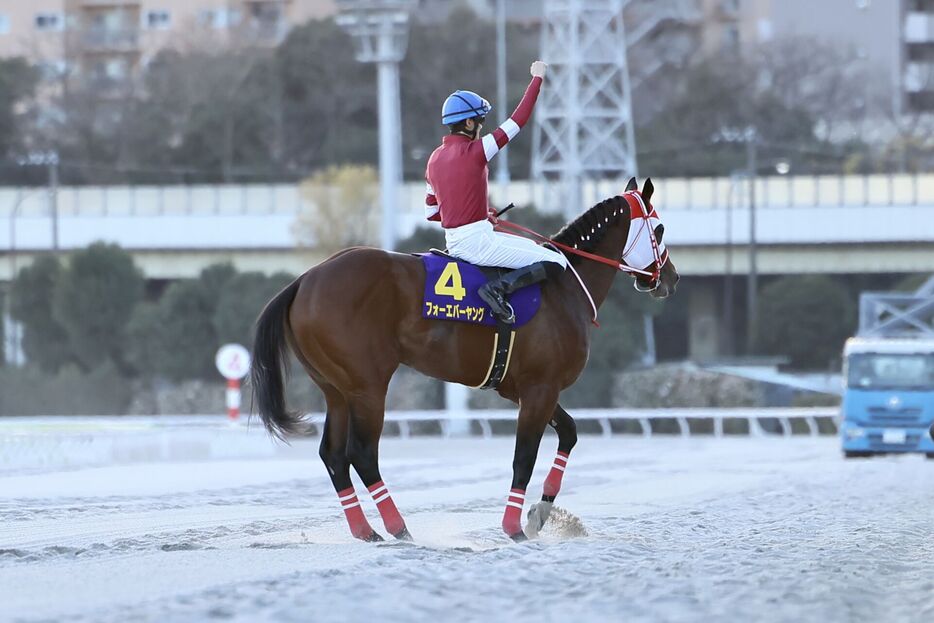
[(583, 121)]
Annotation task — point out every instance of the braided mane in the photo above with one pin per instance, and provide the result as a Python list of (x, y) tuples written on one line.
[(586, 231)]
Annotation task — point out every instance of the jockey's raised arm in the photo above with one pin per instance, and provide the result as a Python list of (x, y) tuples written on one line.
[(500, 137)]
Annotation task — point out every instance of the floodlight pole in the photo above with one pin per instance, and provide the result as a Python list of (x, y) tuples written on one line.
[(380, 31), (502, 164)]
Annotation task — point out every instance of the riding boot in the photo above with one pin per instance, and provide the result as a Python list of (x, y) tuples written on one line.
[(494, 293)]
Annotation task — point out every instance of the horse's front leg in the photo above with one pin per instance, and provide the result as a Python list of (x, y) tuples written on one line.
[(535, 408), (567, 437)]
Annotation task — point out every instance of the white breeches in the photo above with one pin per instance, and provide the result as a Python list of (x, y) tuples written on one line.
[(477, 243)]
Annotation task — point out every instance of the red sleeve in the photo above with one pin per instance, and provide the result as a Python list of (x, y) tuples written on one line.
[(524, 110), (501, 136)]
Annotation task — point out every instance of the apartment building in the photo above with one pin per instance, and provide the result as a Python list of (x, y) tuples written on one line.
[(106, 40), (917, 56)]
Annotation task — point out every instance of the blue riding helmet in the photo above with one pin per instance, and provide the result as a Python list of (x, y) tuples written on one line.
[(462, 105)]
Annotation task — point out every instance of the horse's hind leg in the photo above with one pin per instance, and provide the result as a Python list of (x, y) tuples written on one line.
[(333, 452), (366, 426), (567, 437)]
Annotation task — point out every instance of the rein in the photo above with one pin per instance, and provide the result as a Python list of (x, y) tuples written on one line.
[(568, 249), (599, 258)]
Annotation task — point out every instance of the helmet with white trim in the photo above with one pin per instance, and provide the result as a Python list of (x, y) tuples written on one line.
[(462, 105)]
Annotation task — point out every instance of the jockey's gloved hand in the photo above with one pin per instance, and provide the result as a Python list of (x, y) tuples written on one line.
[(492, 215)]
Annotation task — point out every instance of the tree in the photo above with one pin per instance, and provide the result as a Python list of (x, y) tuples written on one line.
[(805, 318), (93, 302), (210, 112), (241, 302), (18, 82), (174, 338), (806, 101), (345, 208), (329, 99), (45, 341), (177, 337), (432, 69)]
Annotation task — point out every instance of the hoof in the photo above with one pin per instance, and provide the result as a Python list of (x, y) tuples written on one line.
[(403, 535), (519, 537), (538, 515), (374, 537)]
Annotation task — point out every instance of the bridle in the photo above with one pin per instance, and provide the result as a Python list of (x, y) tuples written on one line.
[(638, 238)]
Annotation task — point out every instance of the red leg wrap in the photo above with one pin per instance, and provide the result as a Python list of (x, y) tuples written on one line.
[(512, 518), (359, 526), (387, 508), (553, 480)]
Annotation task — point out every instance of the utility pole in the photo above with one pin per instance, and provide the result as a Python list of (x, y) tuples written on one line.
[(752, 300), (729, 343), (52, 163), (502, 160)]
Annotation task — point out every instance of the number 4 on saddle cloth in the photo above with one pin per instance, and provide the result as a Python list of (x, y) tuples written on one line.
[(451, 292)]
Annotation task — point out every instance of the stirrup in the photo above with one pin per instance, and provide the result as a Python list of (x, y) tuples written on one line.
[(511, 319), (501, 307)]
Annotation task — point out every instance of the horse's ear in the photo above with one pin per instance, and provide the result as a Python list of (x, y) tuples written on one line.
[(632, 185), (647, 190)]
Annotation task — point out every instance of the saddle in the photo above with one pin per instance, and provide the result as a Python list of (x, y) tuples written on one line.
[(451, 288), (451, 294)]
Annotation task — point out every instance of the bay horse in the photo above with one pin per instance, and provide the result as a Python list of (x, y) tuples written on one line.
[(354, 318)]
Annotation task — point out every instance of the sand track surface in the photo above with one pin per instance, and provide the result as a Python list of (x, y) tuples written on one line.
[(198, 523)]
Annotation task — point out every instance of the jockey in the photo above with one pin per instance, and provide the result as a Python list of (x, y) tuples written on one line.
[(457, 196)]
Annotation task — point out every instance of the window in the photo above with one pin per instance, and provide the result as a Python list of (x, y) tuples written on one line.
[(729, 6), (884, 371), (116, 68), (731, 37), (219, 18), (49, 21), (4, 24), (107, 72), (265, 12), (158, 20), (51, 71), (764, 27)]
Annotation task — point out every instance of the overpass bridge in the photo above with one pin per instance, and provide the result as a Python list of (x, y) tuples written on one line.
[(841, 224)]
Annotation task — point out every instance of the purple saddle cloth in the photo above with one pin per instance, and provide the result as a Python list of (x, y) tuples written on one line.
[(451, 293)]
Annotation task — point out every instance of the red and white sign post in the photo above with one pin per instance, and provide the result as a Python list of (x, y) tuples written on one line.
[(233, 362)]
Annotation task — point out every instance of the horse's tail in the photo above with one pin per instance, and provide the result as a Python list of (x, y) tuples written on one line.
[(270, 353)]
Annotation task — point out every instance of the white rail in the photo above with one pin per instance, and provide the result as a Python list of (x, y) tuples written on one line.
[(645, 417), (446, 421)]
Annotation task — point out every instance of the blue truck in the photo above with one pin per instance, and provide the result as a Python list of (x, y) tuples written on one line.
[(888, 399)]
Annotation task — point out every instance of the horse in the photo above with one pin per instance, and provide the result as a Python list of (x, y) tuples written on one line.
[(354, 318)]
